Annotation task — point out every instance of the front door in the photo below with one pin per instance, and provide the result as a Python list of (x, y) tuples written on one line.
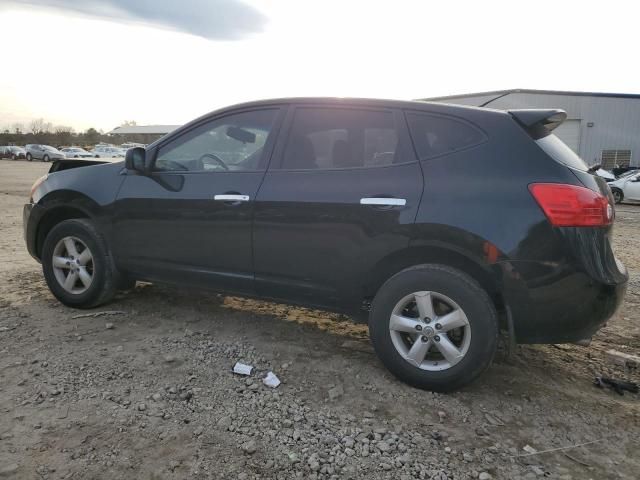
[(189, 221), (632, 188), (341, 194)]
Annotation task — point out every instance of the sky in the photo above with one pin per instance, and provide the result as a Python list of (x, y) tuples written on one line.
[(97, 63)]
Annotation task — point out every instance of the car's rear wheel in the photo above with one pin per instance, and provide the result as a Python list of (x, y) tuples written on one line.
[(434, 327), (618, 196), (29, 157), (77, 265)]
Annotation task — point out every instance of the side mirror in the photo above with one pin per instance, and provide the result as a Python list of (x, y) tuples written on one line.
[(134, 159)]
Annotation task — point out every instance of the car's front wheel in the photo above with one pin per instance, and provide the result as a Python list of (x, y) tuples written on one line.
[(618, 196), (77, 266), (434, 327), (45, 158)]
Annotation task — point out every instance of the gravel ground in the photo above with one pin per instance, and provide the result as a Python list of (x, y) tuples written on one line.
[(147, 391)]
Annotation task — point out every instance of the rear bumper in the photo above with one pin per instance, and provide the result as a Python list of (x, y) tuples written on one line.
[(31, 215), (558, 303)]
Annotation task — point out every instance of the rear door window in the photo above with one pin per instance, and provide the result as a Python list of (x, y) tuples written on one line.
[(329, 138), (435, 135)]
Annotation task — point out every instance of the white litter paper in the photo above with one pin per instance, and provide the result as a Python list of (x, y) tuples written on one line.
[(242, 369), (271, 380)]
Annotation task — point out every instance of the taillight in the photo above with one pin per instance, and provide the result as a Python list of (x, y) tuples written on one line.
[(571, 205)]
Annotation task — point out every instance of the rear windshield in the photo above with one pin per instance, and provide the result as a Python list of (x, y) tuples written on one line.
[(558, 150)]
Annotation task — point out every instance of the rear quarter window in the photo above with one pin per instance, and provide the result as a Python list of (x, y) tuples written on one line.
[(560, 152), (435, 135)]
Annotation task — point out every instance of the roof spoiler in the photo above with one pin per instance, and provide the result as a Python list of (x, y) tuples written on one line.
[(538, 122)]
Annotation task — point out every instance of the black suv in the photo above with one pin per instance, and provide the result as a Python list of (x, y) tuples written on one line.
[(444, 223)]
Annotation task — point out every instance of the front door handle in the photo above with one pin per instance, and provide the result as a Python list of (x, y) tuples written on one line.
[(227, 197), (383, 202)]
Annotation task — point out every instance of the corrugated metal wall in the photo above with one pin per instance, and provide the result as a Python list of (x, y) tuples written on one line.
[(616, 121)]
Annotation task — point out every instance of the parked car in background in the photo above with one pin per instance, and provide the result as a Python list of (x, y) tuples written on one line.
[(76, 152), (17, 152), (352, 205), (13, 152), (607, 175), (105, 151), (127, 146), (46, 153), (626, 187)]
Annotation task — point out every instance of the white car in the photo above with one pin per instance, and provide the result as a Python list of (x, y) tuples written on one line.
[(104, 151), (607, 175), (76, 152), (626, 187)]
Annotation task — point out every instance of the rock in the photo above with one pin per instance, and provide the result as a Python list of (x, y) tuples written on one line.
[(621, 359), (9, 470), (293, 457), (169, 358), (243, 476), (142, 407), (224, 422), (442, 415), (383, 446), (249, 447), (109, 326), (467, 457), (156, 397), (314, 466), (485, 476), (336, 392), (537, 470)]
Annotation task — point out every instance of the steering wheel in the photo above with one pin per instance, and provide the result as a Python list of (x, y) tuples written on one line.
[(217, 159)]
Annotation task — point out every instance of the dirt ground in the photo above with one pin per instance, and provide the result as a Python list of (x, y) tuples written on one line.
[(148, 392)]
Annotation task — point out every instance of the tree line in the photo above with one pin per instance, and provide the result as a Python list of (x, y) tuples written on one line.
[(41, 131)]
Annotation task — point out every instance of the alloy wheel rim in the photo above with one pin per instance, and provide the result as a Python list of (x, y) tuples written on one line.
[(430, 331), (72, 263)]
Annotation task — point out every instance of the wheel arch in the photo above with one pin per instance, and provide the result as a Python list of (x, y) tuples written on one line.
[(488, 278), (54, 216)]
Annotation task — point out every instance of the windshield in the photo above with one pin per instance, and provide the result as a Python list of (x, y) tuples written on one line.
[(628, 174), (51, 149), (560, 152)]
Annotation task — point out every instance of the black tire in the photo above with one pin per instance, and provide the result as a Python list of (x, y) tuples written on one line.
[(45, 158), (470, 297), (105, 278), (618, 196), (29, 157)]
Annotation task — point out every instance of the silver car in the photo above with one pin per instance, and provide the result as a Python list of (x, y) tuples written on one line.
[(76, 152), (45, 153), (105, 151)]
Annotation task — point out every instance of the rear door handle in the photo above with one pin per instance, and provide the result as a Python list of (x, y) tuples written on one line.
[(231, 198), (383, 202)]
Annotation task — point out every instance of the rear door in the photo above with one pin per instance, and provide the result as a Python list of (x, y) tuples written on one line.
[(189, 221), (341, 193)]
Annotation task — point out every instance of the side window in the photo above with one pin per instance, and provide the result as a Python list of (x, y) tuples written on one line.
[(231, 143), (435, 135), (326, 138)]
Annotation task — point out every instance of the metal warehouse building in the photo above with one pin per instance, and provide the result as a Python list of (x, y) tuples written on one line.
[(603, 128)]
